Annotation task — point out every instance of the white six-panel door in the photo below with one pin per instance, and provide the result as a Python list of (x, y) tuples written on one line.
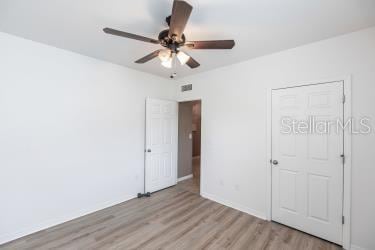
[(161, 144), (307, 174)]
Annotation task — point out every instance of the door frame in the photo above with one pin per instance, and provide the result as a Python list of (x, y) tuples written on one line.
[(346, 234), (202, 124)]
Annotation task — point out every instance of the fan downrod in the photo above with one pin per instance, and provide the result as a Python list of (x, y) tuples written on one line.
[(168, 20)]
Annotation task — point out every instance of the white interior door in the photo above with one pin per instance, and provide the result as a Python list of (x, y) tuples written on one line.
[(307, 179), (161, 144)]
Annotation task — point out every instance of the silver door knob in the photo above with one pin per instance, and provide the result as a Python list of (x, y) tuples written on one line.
[(148, 150), (274, 162)]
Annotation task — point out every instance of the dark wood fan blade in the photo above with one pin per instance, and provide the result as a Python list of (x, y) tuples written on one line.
[(192, 63), (218, 44), (181, 11), (130, 35), (148, 57)]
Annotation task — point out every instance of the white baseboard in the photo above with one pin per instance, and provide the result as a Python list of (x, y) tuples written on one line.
[(185, 178), (354, 247), (10, 236), (234, 205)]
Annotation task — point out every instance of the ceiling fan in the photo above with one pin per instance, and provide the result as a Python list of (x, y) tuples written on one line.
[(173, 39)]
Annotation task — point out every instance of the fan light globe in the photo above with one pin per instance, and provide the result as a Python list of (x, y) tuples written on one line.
[(167, 63), (183, 57), (164, 55)]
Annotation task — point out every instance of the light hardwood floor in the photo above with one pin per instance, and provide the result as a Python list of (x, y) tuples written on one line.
[(174, 218)]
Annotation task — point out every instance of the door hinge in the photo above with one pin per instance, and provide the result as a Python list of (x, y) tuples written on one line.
[(343, 220), (343, 158), (343, 98)]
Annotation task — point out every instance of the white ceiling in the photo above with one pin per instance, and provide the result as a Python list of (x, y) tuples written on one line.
[(259, 27)]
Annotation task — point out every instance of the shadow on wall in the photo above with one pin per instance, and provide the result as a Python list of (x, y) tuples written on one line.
[(196, 128), (189, 138)]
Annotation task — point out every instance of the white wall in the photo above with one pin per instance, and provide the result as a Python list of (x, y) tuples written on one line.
[(71, 134), (234, 114)]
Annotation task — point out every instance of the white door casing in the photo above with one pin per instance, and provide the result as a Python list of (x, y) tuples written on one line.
[(161, 144), (307, 182)]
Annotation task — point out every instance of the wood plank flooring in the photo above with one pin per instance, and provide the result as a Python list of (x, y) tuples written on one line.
[(174, 218)]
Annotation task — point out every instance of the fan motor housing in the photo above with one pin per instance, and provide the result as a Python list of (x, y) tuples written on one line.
[(169, 42)]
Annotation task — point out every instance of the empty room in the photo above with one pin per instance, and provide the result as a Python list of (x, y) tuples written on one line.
[(187, 124)]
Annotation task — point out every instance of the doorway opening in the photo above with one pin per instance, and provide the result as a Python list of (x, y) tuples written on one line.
[(189, 145)]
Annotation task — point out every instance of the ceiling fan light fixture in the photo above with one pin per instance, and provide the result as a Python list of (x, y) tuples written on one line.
[(173, 38), (183, 57)]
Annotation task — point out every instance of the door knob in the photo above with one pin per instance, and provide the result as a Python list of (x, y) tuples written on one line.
[(275, 162), (148, 150)]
